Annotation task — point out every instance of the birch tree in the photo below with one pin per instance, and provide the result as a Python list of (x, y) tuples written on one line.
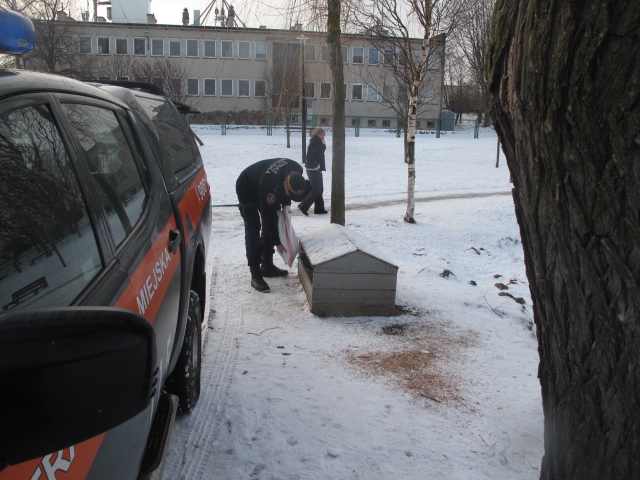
[(394, 28)]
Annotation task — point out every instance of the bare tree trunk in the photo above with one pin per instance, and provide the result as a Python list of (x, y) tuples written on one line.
[(338, 133), (565, 79)]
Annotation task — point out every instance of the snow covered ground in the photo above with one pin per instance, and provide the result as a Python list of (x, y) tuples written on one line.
[(445, 389)]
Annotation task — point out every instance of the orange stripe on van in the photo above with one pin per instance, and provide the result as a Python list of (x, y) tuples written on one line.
[(72, 463), (151, 279), (194, 201)]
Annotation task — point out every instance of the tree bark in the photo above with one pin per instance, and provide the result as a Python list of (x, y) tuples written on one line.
[(338, 133), (565, 76)]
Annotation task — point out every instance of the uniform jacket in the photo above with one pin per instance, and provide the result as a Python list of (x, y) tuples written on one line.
[(261, 184), (315, 154)]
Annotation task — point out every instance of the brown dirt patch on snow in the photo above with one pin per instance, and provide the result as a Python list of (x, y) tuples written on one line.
[(423, 359)]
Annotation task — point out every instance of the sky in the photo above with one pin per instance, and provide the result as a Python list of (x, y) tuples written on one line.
[(445, 389)]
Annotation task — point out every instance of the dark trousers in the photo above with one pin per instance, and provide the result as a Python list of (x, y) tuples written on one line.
[(256, 240), (315, 195)]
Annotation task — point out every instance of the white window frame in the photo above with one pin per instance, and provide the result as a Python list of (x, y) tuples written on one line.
[(354, 85), (222, 81), (371, 50), (244, 81), (102, 37), (154, 42), (388, 57), (310, 53), (246, 44), (172, 43), (204, 48), (126, 45), (222, 45), (346, 91), (330, 88), (306, 90), (255, 90), (144, 47), (261, 56), (371, 90), (192, 41), (197, 84), (372, 122), (324, 53), (90, 44), (353, 55), (204, 87), (433, 61)]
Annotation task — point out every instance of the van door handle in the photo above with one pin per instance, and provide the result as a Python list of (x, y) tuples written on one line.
[(174, 240)]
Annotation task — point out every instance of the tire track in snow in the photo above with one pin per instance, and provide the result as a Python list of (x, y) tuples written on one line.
[(195, 433)]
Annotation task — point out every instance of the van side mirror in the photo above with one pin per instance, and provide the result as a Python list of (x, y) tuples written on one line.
[(70, 374)]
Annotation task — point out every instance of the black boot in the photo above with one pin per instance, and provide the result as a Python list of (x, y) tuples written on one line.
[(268, 269), (257, 281)]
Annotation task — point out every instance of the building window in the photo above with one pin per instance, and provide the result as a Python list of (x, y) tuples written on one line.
[(85, 44), (324, 121), (193, 87), (309, 53), (346, 89), (345, 54), (174, 47), (433, 63), (260, 88), (389, 57), (157, 47), (123, 79), (417, 123), (226, 85), (192, 47), (244, 50), (371, 123), (209, 87), (374, 56), (386, 123), (121, 46), (243, 88), (139, 46), (227, 49), (103, 45), (324, 53), (309, 89), (354, 122), (261, 50), (356, 91), (210, 49), (431, 124), (325, 90), (294, 118), (358, 55), (372, 93)]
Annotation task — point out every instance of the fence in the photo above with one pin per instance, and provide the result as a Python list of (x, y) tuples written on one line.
[(400, 125)]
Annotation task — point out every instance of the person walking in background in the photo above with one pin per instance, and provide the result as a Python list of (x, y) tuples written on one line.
[(315, 166), (262, 189)]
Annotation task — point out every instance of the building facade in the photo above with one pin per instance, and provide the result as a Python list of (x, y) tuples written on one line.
[(233, 69)]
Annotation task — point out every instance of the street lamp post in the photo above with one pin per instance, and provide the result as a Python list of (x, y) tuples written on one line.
[(302, 39)]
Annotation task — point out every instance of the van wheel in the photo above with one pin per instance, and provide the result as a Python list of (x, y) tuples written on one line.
[(184, 381)]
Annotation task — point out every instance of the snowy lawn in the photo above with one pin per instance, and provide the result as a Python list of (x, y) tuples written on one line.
[(445, 389)]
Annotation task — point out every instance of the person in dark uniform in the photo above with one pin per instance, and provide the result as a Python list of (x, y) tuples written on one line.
[(315, 166), (263, 188)]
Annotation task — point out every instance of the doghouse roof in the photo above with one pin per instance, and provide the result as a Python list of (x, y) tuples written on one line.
[(334, 241)]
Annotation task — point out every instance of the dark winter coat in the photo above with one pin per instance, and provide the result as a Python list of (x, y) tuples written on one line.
[(261, 184), (315, 154)]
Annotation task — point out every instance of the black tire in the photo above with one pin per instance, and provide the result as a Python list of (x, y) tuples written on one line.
[(184, 381)]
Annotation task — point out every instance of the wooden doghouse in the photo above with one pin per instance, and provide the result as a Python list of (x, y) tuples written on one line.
[(345, 275)]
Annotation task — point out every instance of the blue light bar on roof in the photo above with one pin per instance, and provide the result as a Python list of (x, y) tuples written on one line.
[(17, 35)]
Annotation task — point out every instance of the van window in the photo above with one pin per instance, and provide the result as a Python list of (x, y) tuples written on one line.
[(111, 163), (48, 251), (173, 136)]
